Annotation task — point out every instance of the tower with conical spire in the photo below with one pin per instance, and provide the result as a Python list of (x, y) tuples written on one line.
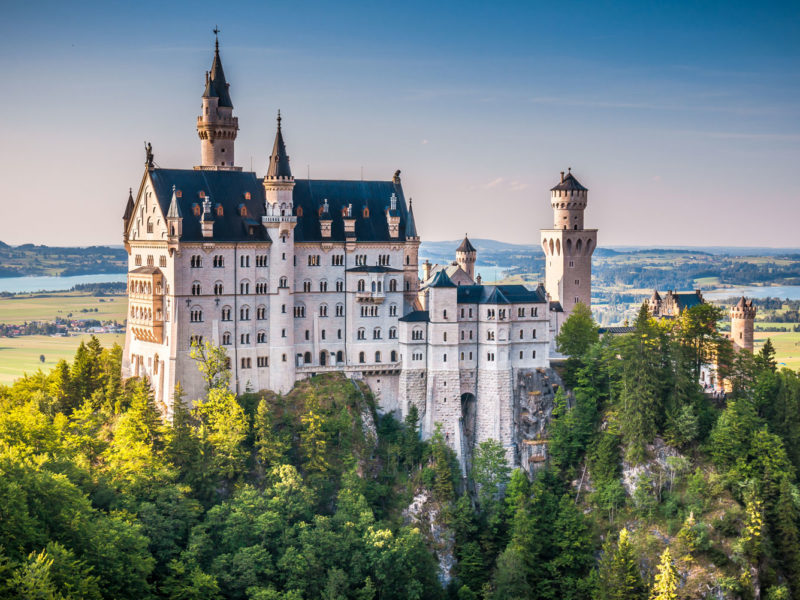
[(568, 247), (280, 221), (466, 256), (216, 126)]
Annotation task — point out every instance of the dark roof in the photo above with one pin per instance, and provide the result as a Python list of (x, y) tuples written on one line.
[(656, 296), (279, 160), (466, 246), (373, 269), (499, 294), (229, 188), (174, 211), (555, 306), (128, 208), (568, 183), (616, 330), (744, 303), (416, 316), (146, 270), (441, 280), (411, 226), (687, 299), (226, 188), (216, 86), (309, 195)]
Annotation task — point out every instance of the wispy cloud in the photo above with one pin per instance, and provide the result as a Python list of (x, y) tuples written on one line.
[(494, 183)]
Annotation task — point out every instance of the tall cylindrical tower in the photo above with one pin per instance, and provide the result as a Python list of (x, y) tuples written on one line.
[(743, 316), (217, 127), (568, 247)]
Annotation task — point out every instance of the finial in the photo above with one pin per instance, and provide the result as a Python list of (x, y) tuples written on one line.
[(279, 119), (569, 169), (216, 36), (148, 152)]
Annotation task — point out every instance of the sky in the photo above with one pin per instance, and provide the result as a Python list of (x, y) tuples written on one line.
[(682, 118)]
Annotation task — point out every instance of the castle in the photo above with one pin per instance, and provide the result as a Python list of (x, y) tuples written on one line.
[(295, 277)]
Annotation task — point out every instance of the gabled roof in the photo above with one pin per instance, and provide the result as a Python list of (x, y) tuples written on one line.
[(146, 270), (687, 299), (309, 195), (226, 188), (441, 280), (216, 86), (616, 330), (656, 297), (416, 316), (744, 303), (411, 226), (466, 246), (279, 160), (499, 294), (568, 183)]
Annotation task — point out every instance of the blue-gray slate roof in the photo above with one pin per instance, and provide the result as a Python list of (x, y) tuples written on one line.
[(416, 316), (499, 294), (230, 188)]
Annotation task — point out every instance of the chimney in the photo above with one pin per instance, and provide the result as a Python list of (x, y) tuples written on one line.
[(562, 176), (426, 270)]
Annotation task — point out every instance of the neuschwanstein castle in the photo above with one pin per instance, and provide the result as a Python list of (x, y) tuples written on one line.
[(295, 277)]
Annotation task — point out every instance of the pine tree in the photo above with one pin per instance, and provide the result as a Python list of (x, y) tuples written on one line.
[(411, 444), (787, 537), (666, 583), (270, 446), (313, 439), (641, 394), (765, 359), (618, 576)]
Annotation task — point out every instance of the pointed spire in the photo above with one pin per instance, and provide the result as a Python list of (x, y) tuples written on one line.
[(216, 86), (411, 226), (128, 208), (174, 211), (466, 245), (279, 160)]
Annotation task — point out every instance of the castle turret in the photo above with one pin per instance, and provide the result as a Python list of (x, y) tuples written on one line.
[(411, 262), (466, 256), (568, 247), (217, 127), (743, 316), (280, 222)]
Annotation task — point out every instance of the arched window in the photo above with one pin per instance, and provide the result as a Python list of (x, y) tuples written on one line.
[(362, 358), (392, 285), (323, 310), (376, 333), (361, 334), (196, 288), (340, 310), (307, 285), (339, 356), (218, 288), (244, 313), (378, 356), (393, 333), (226, 313), (307, 358), (393, 356), (361, 285), (339, 285), (323, 286), (261, 313), (284, 283), (226, 339)]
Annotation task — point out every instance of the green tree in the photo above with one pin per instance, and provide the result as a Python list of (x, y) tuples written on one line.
[(313, 438), (213, 363), (665, 586), (271, 446), (578, 332), (787, 536), (765, 359), (640, 401), (618, 576)]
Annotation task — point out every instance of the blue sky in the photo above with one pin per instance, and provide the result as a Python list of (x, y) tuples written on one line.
[(682, 119)]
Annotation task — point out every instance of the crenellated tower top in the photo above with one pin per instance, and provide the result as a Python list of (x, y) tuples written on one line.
[(568, 200)]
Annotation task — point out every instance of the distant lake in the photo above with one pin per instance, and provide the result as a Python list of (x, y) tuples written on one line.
[(48, 283), (792, 292)]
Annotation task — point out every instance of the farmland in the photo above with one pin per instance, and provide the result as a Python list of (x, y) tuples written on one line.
[(21, 355), (64, 305)]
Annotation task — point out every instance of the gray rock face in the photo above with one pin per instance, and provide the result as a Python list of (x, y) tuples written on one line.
[(534, 400)]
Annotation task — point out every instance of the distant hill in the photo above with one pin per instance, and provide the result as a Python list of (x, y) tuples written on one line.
[(29, 259)]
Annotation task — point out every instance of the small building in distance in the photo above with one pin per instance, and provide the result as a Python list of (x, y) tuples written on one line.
[(673, 303)]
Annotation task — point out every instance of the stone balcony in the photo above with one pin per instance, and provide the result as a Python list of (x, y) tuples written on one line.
[(370, 297)]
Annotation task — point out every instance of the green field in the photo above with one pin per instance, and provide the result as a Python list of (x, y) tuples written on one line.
[(20, 355), (35, 307), (787, 346)]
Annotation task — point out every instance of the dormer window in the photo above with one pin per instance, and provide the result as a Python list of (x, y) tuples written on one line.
[(201, 194), (299, 211), (178, 194), (242, 210), (219, 210), (366, 212), (247, 195), (196, 209)]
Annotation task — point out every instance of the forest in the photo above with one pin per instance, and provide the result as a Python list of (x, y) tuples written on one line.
[(652, 489)]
